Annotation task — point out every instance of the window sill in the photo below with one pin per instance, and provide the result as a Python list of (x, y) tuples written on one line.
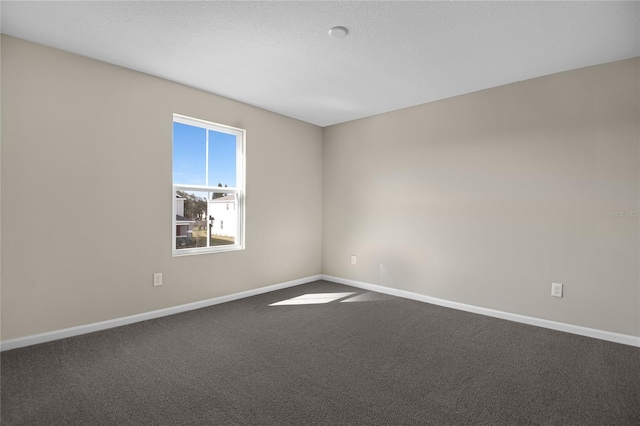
[(206, 250)]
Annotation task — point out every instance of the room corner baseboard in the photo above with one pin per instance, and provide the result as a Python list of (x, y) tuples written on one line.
[(117, 322), (610, 336)]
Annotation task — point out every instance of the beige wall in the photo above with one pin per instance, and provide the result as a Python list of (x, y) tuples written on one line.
[(80, 140), (487, 198), (482, 199)]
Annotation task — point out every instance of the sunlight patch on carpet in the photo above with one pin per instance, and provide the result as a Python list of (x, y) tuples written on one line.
[(313, 299)]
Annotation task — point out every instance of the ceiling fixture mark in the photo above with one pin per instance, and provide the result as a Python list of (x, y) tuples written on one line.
[(338, 32)]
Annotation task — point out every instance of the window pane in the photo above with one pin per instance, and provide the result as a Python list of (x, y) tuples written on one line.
[(222, 159), (189, 158), (207, 158), (223, 219), (191, 223)]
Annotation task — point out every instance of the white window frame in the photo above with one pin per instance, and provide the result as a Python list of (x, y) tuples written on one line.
[(239, 190)]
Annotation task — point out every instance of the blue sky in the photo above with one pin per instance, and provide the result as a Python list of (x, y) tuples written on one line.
[(189, 150)]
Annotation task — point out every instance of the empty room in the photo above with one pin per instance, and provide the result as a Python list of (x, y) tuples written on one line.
[(320, 212)]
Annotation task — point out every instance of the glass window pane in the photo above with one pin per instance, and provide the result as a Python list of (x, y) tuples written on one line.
[(189, 154), (191, 219), (222, 159), (223, 219)]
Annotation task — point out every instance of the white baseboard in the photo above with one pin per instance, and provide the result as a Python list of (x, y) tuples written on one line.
[(610, 336), (117, 322)]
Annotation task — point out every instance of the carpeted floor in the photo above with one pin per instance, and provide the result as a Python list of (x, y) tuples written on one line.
[(374, 360)]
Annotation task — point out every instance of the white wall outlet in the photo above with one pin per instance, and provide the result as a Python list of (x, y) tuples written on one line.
[(353, 259), (556, 289), (157, 279)]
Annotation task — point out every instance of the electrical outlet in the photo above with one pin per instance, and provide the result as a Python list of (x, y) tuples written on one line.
[(157, 279), (353, 259), (556, 289)]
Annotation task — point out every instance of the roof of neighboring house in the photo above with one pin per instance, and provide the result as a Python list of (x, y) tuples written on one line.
[(183, 219), (230, 197)]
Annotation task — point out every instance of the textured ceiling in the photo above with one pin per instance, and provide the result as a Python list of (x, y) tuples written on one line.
[(278, 56)]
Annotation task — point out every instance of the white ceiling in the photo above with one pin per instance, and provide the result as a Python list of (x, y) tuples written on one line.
[(278, 55)]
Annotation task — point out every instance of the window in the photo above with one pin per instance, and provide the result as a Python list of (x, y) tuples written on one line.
[(208, 174)]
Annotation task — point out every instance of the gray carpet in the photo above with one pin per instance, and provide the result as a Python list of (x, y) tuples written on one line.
[(376, 360)]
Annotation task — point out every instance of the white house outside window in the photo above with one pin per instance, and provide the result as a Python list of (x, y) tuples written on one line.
[(208, 176)]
